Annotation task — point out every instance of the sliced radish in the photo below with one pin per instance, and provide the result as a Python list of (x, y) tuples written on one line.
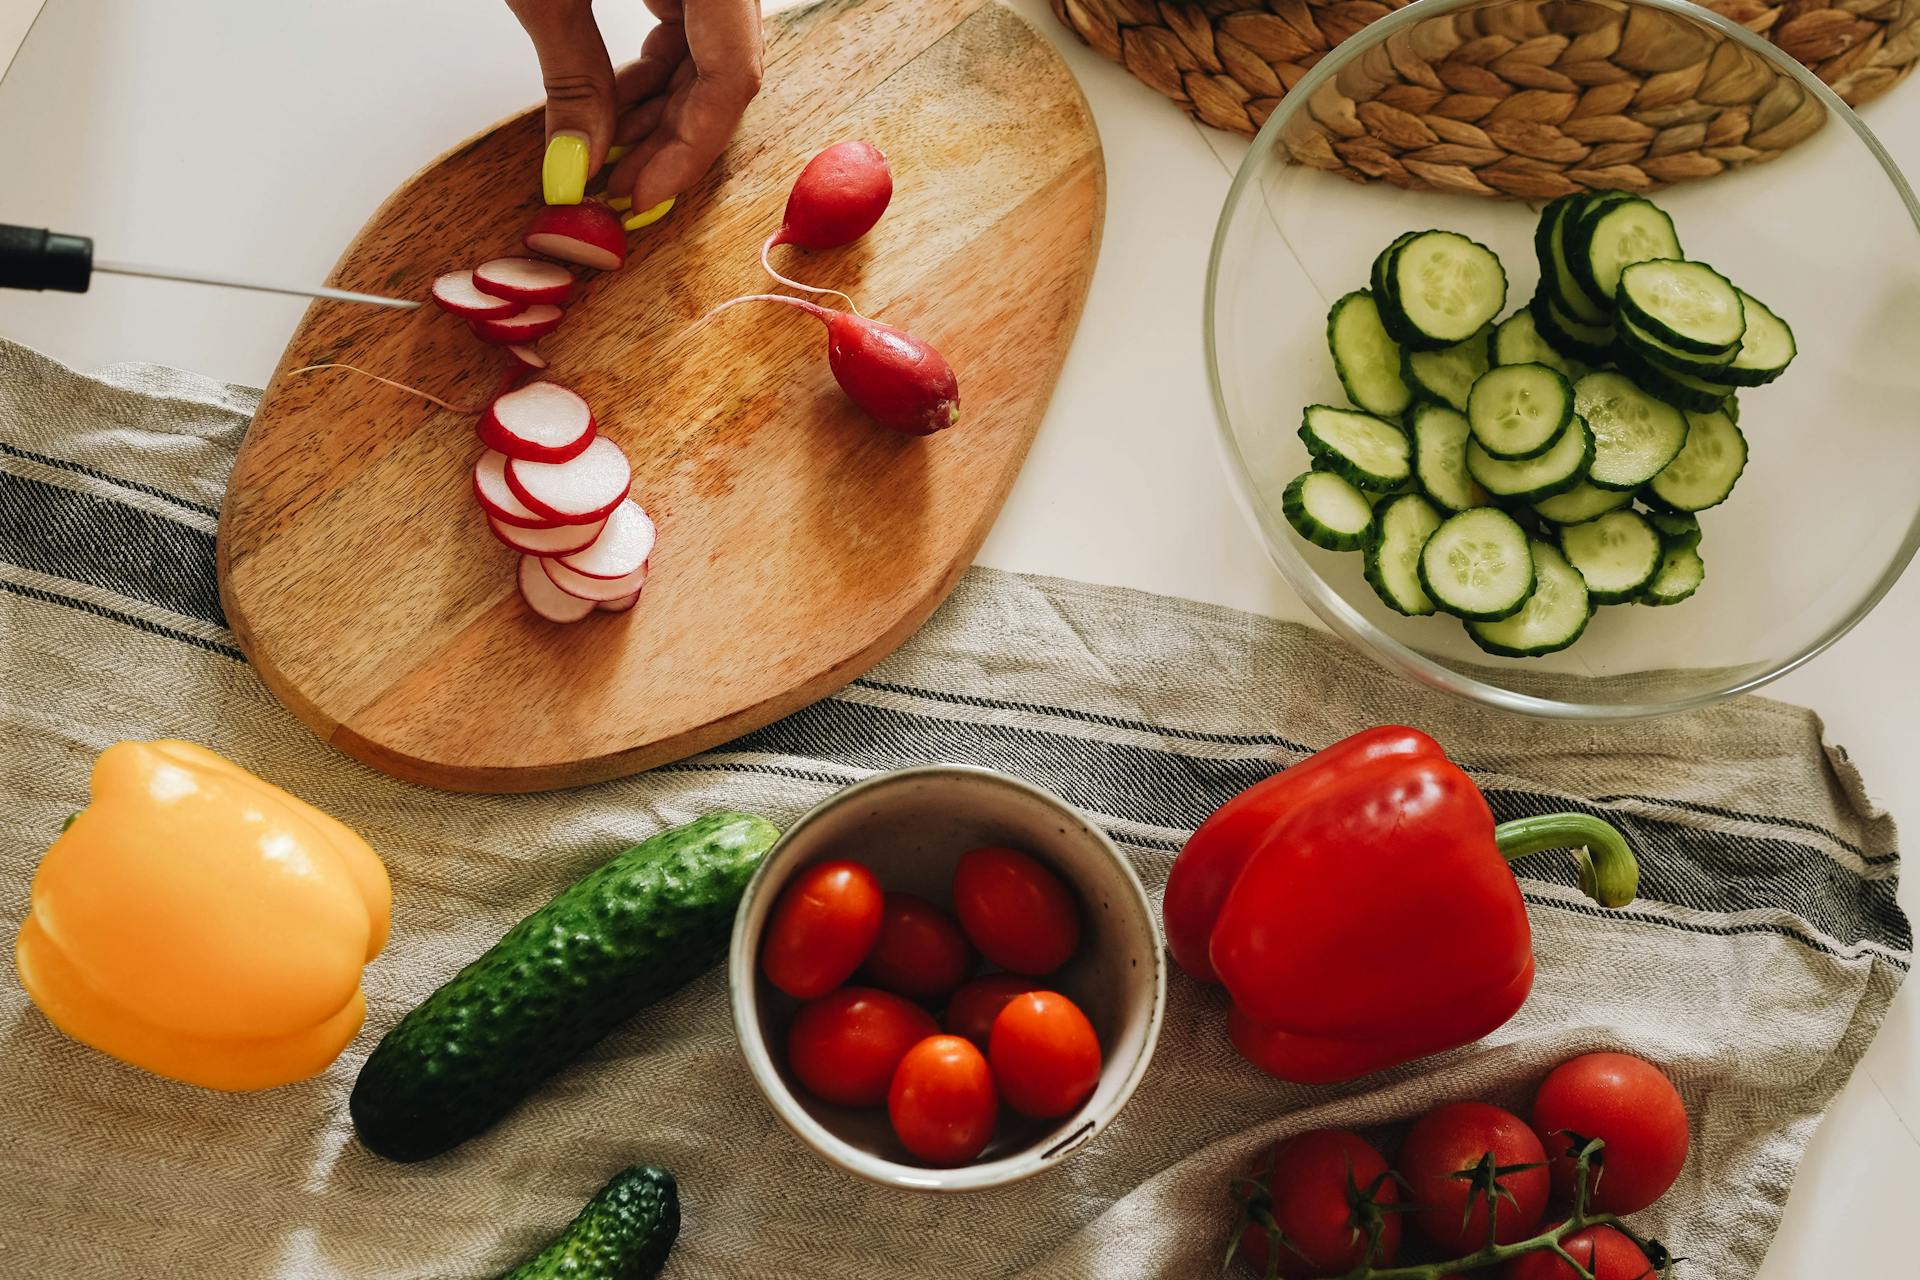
[(546, 599), (457, 293), (553, 540), (529, 356), (598, 590), (584, 488), (534, 323), (497, 500), (621, 605), (587, 234), (524, 280), (623, 545), (540, 422)]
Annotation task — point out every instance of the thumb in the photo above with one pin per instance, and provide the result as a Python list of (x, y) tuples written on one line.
[(580, 96)]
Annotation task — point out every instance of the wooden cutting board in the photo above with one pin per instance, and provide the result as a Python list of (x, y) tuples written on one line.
[(798, 543)]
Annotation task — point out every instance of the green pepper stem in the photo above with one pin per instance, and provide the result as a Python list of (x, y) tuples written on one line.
[(1608, 873)]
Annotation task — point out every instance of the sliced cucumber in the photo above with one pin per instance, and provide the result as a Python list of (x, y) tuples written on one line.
[(1445, 288), (1401, 527), (1592, 344), (1705, 471), (1553, 616), (1381, 275), (1555, 471), (1680, 575), (1687, 304), (1610, 237), (1366, 359), (1550, 249), (1517, 411), (1371, 452), (1616, 554), (1517, 340), (1327, 511), (1635, 435), (1477, 565), (1664, 355), (1447, 375), (1581, 503), (1681, 390), (1766, 349), (1440, 458), (1676, 529)]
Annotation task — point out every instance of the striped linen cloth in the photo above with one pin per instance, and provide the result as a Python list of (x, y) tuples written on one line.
[(1757, 964)]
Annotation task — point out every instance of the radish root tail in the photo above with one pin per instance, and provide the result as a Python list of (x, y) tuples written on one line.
[(398, 386), (766, 261), (813, 309)]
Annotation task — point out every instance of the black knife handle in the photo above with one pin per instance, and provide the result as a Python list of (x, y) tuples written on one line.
[(35, 258)]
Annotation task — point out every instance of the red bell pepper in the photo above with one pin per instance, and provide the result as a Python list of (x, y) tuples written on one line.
[(1359, 909)]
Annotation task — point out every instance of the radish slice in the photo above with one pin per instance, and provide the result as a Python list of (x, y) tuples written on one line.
[(528, 356), (524, 280), (497, 500), (598, 590), (457, 293), (534, 323), (540, 422), (554, 540), (587, 234), (546, 599), (623, 545), (582, 489), (621, 605)]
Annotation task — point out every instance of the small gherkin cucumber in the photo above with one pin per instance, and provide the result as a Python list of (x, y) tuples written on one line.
[(620, 937), (624, 1233)]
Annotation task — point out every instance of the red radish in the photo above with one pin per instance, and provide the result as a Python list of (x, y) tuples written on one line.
[(540, 422), (899, 381), (530, 325), (580, 490), (587, 234), (553, 540), (524, 280), (623, 545), (621, 605), (497, 500), (598, 590), (545, 599), (456, 292), (836, 199), (528, 356)]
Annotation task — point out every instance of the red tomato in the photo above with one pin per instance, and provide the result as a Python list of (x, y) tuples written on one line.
[(1627, 1103), (921, 951), (821, 929), (1045, 1056), (1605, 1253), (1307, 1195), (941, 1102), (845, 1046), (974, 1007), (1020, 915), (1454, 1138)]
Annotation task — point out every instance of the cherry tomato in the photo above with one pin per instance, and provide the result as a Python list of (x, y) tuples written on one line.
[(941, 1102), (1020, 915), (1045, 1056), (1454, 1138), (1627, 1103), (921, 951), (822, 928), (845, 1046), (974, 1007), (1606, 1254), (1306, 1192)]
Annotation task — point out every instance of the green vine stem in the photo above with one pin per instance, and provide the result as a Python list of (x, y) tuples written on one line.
[(1608, 873)]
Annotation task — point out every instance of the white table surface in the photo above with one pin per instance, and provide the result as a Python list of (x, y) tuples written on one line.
[(254, 139)]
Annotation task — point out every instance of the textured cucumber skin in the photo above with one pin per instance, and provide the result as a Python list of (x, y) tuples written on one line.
[(617, 939), (624, 1233)]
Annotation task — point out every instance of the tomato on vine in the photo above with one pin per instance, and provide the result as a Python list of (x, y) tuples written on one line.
[(1312, 1210), (1628, 1104), (1602, 1252), (1460, 1157)]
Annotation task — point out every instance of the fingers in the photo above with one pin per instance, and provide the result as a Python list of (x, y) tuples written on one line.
[(706, 94), (580, 92), (661, 53)]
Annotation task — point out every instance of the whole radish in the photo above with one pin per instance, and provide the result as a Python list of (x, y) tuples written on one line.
[(837, 198), (897, 380)]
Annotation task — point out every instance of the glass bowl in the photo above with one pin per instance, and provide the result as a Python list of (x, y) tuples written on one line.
[(1826, 515)]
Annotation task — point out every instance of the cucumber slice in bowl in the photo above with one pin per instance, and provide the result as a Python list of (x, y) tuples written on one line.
[(1681, 390), (1517, 340), (1616, 554), (1664, 355), (1517, 411), (1591, 344), (1680, 574), (1371, 452), (1401, 527), (1328, 511), (1477, 565), (1365, 357), (1686, 304), (1703, 474), (1676, 529), (1555, 471), (1580, 504), (1766, 348), (1445, 288), (1635, 434), (1550, 250), (1440, 458), (1448, 375), (1610, 237), (1553, 617)]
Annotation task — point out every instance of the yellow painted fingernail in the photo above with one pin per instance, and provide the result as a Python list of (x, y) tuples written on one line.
[(649, 217), (563, 176), (615, 151), (619, 204)]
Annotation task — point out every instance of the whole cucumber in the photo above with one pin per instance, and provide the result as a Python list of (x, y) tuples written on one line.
[(615, 940), (624, 1233)]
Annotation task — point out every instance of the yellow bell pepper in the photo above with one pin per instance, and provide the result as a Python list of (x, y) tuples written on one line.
[(200, 922)]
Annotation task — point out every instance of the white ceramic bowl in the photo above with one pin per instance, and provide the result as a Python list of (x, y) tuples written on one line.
[(910, 827)]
